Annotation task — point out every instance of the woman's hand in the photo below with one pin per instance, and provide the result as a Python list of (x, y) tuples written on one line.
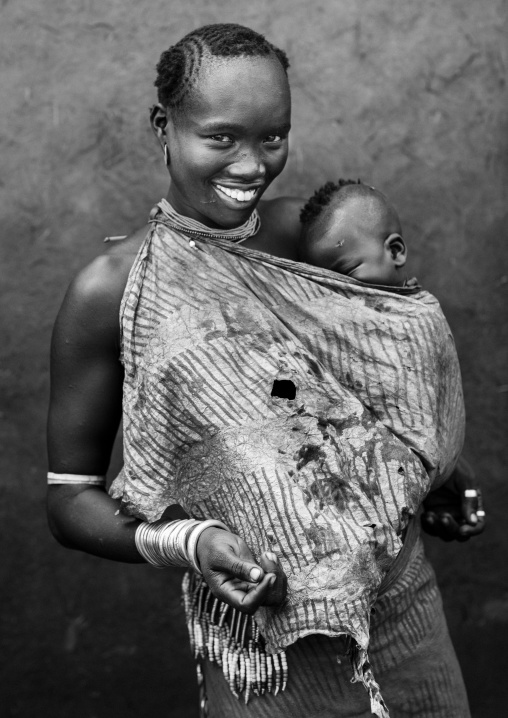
[(233, 575), (455, 510)]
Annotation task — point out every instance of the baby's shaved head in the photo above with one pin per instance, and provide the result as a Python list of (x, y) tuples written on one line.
[(353, 229), (331, 196)]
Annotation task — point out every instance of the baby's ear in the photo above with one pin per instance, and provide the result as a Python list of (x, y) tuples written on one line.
[(397, 248)]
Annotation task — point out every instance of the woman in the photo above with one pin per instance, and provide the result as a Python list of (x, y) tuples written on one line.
[(222, 122)]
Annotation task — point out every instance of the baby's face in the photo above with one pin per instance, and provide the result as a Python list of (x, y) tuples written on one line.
[(352, 240)]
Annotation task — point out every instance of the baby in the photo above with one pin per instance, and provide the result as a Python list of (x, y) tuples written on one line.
[(352, 229)]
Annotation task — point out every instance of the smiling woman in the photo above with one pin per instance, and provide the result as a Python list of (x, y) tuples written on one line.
[(247, 457), (223, 120), (222, 154)]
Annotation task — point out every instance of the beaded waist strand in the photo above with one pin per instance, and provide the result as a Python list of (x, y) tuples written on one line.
[(231, 640)]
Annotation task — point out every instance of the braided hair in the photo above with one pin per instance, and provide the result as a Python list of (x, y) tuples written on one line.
[(323, 196), (178, 67)]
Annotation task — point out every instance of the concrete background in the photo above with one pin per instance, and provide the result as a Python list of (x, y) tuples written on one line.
[(410, 96)]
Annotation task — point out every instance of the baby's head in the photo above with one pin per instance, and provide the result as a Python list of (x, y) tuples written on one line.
[(351, 228)]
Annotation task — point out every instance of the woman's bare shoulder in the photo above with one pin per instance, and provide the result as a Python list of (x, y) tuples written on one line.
[(127, 247), (107, 274), (92, 302), (280, 223), (283, 212)]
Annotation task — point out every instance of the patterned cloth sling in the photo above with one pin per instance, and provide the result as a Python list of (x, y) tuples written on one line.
[(307, 411)]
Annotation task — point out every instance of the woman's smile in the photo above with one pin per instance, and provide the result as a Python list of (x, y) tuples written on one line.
[(236, 194)]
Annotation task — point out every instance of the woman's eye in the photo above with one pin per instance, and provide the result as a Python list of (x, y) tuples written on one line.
[(222, 138)]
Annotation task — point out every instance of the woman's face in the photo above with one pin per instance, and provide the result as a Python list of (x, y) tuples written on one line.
[(230, 139)]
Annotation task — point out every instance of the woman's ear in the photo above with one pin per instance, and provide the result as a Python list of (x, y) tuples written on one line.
[(159, 122), (396, 246)]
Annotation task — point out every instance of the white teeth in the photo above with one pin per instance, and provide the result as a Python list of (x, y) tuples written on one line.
[(237, 194)]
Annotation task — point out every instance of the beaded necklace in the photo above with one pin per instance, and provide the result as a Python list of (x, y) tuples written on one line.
[(186, 225)]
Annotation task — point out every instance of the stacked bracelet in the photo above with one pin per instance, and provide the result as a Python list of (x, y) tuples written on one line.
[(172, 543), (192, 542)]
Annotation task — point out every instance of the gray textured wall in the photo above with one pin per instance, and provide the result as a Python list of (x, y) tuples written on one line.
[(406, 94)]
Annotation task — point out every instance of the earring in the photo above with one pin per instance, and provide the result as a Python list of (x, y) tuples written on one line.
[(166, 154)]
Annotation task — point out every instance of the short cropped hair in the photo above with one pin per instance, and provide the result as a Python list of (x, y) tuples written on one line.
[(323, 196), (178, 66)]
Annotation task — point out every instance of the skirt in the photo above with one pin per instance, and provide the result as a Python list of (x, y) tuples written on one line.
[(411, 654)]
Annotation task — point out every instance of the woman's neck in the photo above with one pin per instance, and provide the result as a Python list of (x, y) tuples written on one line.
[(192, 227)]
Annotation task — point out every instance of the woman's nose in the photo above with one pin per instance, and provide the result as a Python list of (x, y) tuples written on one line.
[(248, 167)]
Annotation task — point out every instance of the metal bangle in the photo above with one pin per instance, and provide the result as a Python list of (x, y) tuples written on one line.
[(192, 542)]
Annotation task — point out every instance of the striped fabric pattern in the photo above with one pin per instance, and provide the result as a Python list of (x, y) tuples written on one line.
[(328, 480), (411, 654)]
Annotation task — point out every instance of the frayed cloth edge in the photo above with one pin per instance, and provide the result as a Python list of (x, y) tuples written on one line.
[(362, 673)]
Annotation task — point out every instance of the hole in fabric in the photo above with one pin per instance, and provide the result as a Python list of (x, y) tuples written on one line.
[(284, 389)]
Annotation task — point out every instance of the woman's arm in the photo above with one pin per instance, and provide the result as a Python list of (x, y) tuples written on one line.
[(85, 411), (87, 519)]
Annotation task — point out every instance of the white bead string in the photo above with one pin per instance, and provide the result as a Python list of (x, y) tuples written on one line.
[(232, 641)]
